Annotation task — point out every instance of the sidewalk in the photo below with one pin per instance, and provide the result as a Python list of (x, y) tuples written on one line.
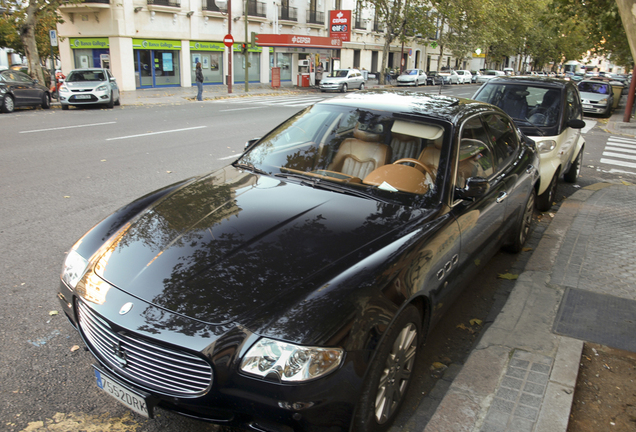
[(522, 373)]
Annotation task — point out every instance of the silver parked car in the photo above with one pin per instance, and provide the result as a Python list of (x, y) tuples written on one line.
[(597, 97), (342, 80), (89, 87), (412, 77)]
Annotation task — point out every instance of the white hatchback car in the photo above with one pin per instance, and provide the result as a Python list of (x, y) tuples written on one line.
[(464, 76), (342, 80), (549, 111), (89, 87)]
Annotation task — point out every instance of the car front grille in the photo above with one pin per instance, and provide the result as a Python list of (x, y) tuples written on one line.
[(153, 367)]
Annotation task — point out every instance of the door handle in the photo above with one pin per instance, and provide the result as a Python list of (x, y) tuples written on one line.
[(502, 196)]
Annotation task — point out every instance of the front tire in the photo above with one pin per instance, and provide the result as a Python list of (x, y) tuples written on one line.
[(362, 86), (344, 88), (522, 230), (7, 104), (545, 200), (64, 107), (111, 102), (390, 373), (572, 175)]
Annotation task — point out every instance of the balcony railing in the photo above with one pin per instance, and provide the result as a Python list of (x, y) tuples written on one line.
[(359, 24), (96, 1), (210, 5), (288, 13), (172, 3), (256, 8), (315, 17)]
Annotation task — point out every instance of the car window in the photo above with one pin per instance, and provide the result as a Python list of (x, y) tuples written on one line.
[(574, 110), (475, 158), (592, 87), (354, 147), (504, 138)]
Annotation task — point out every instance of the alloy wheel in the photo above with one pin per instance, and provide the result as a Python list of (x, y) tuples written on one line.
[(396, 374)]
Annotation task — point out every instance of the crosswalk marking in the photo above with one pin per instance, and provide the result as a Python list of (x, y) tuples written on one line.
[(287, 101), (621, 151)]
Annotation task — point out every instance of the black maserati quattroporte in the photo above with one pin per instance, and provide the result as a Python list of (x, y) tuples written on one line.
[(292, 289)]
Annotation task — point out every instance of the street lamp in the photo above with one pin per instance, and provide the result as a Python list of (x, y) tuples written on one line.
[(226, 5)]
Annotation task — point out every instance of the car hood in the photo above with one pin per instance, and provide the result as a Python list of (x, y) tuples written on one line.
[(407, 78), (84, 84), (233, 242), (593, 96)]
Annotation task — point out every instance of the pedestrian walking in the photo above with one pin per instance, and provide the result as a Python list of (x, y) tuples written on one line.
[(199, 79)]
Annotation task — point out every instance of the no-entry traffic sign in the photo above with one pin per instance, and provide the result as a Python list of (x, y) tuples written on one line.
[(228, 40)]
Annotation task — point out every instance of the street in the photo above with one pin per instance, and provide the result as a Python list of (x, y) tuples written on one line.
[(62, 172)]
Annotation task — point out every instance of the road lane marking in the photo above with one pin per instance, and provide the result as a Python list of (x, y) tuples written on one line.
[(589, 125), (68, 127), (619, 155), (242, 109), (611, 147), (155, 133), (619, 163), (230, 157)]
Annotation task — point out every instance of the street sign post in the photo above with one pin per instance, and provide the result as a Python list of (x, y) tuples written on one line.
[(53, 37)]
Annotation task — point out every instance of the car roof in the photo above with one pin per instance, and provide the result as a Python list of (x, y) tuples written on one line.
[(539, 81), (439, 107)]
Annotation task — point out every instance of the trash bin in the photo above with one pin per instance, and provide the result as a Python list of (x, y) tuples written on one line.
[(305, 82), (365, 74), (617, 89)]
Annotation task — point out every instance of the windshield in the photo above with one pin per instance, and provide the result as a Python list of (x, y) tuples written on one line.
[(79, 76), (410, 72), (353, 147), (539, 106), (339, 73), (592, 87)]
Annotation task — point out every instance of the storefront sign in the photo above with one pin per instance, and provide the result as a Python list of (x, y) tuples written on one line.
[(291, 40), (89, 43), (156, 44), (340, 24), (206, 46)]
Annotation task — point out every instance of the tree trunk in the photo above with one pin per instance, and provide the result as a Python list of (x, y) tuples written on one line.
[(27, 36), (385, 54)]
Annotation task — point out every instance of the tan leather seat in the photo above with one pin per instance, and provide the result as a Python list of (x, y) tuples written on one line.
[(404, 146), (431, 154), (360, 155)]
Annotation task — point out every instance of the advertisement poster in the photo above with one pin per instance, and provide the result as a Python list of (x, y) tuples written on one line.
[(167, 62), (340, 24)]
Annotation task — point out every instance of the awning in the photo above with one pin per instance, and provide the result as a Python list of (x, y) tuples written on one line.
[(297, 41)]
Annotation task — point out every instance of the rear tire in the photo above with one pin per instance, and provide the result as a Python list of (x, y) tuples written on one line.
[(46, 101), (390, 373), (545, 200), (572, 175)]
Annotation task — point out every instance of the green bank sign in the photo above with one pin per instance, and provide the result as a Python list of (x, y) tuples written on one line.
[(206, 46), (156, 44), (89, 43)]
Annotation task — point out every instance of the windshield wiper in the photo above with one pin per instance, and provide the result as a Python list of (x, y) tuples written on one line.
[(250, 167), (317, 183)]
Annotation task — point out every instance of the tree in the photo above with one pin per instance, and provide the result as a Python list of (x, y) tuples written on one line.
[(31, 22)]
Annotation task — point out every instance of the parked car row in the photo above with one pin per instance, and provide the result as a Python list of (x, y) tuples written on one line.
[(81, 87)]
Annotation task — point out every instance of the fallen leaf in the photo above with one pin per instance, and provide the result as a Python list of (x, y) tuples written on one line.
[(169, 172), (103, 160), (477, 262), (476, 321), (508, 276), (526, 249), (66, 196), (462, 326), (438, 366), (53, 312), (74, 348)]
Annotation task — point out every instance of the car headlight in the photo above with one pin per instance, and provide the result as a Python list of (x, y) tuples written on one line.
[(63, 89), (102, 87), (546, 146), (289, 362), (73, 269), (603, 101)]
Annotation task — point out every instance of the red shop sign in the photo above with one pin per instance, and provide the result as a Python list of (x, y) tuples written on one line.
[(291, 40), (340, 24)]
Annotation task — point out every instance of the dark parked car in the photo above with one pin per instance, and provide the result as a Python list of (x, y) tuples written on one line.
[(18, 89), (293, 289), (549, 111), (434, 78)]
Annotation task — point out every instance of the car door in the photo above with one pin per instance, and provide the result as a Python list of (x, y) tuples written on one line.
[(570, 136), (480, 220), (113, 84), (18, 86)]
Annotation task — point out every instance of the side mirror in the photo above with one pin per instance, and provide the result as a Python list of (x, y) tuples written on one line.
[(251, 142), (576, 124), (476, 187)]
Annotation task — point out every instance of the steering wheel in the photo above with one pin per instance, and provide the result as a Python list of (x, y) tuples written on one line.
[(425, 169)]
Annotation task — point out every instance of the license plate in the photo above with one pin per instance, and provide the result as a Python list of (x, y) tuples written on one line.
[(130, 398), (587, 106), (82, 96)]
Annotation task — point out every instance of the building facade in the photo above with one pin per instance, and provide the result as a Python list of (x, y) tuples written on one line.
[(157, 43)]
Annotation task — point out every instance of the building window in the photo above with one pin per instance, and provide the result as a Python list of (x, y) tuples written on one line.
[(256, 8), (315, 16), (338, 5), (285, 12), (359, 24)]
